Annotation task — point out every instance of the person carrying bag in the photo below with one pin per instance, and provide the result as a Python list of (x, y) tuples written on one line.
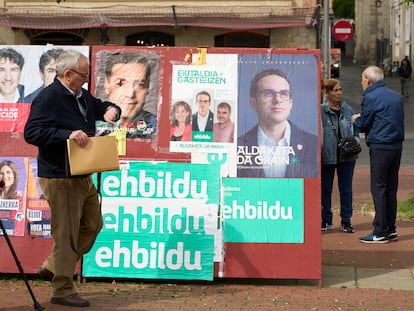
[(340, 150), (348, 149)]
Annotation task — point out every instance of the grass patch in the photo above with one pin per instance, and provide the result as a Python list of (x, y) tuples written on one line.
[(405, 209)]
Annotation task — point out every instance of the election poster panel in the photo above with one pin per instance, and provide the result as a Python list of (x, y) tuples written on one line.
[(160, 222), (224, 128), (129, 79), (38, 212), (263, 210), (29, 69), (13, 172), (13, 117), (277, 116), (203, 106)]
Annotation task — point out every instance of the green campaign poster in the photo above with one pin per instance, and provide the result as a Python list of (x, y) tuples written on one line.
[(263, 210), (160, 222)]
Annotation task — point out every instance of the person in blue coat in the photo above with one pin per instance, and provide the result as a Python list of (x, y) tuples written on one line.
[(382, 121)]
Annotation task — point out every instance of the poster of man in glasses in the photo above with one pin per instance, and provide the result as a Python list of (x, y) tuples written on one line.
[(277, 116)]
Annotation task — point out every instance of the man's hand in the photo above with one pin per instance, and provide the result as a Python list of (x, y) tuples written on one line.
[(355, 116), (111, 115), (80, 137)]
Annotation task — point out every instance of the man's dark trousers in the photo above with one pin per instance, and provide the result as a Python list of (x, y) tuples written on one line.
[(384, 165)]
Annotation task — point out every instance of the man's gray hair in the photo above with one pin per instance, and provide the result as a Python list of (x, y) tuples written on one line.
[(68, 59), (373, 73)]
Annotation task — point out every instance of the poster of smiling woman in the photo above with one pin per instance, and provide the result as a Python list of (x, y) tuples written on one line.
[(13, 173)]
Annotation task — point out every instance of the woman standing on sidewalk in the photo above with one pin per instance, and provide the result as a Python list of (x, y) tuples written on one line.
[(336, 123)]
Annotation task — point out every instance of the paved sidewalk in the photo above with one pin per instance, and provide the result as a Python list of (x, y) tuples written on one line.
[(351, 264), (348, 263), (215, 297), (378, 278)]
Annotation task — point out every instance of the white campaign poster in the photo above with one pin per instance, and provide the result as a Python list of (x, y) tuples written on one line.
[(204, 91)]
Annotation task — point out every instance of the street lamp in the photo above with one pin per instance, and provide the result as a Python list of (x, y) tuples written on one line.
[(378, 3)]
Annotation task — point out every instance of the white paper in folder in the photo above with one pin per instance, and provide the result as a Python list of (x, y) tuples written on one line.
[(99, 155)]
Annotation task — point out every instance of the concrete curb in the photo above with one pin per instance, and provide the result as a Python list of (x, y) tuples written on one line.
[(353, 277)]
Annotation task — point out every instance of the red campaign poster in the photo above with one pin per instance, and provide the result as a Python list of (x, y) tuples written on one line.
[(13, 117)]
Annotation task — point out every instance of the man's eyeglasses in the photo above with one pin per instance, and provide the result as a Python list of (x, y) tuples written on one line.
[(83, 75), (270, 94)]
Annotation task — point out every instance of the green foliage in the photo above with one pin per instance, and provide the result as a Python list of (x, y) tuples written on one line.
[(405, 209), (344, 8), (408, 1)]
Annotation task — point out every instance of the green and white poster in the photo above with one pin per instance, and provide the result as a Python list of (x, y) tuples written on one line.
[(202, 93), (264, 210), (160, 222)]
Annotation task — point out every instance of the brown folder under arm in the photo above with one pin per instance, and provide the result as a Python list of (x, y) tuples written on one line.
[(99, 155)]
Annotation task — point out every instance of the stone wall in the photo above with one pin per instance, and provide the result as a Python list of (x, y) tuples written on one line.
[(364, 35), (371, 23)]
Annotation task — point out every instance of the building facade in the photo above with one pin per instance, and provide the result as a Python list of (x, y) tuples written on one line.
[(385, 37), (274, 24), (402, 29)]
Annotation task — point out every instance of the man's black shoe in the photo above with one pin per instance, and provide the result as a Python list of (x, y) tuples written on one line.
[(73, 300), (45, 274)]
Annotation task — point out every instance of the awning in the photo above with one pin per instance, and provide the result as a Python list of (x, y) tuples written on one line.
[(236, 18)]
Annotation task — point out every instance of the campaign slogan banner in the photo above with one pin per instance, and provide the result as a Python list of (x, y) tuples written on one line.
[(160, 222), (263, 210), (207, 94), (13, 117)]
